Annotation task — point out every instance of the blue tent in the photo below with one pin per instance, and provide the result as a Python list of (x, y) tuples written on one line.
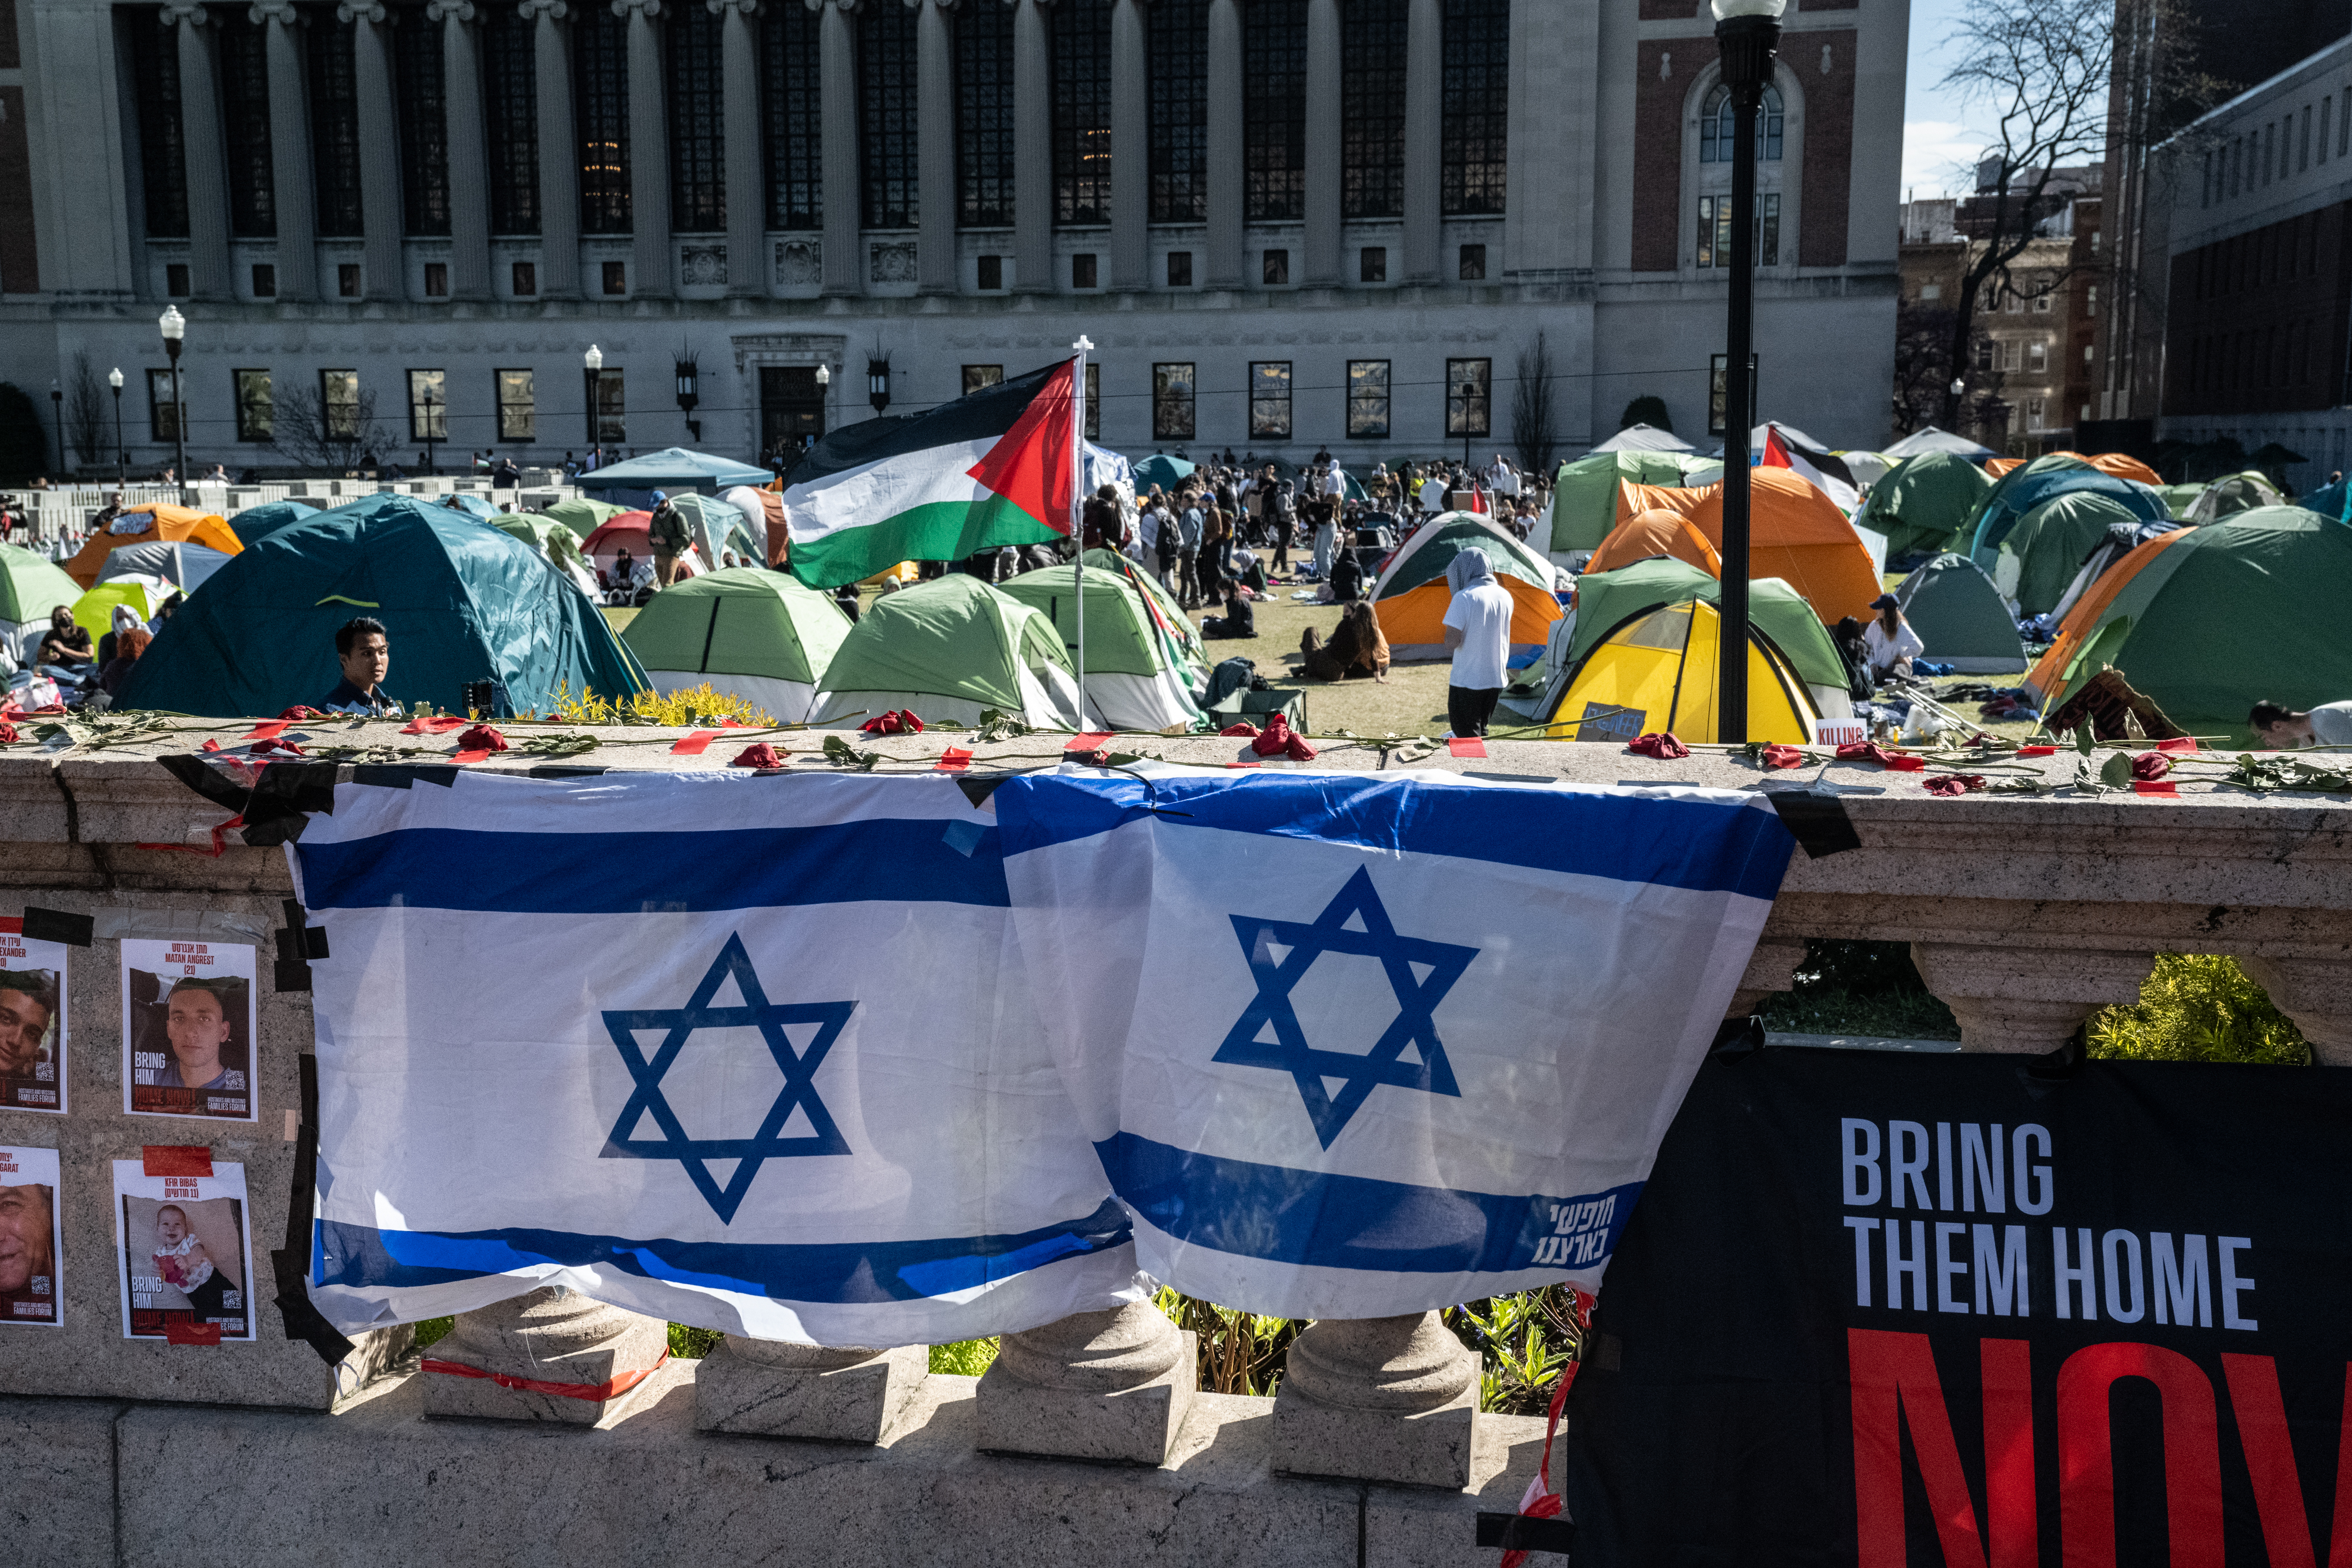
[(472, 506), (461, 602), (258, 523), (673, 469), (2021, 490)]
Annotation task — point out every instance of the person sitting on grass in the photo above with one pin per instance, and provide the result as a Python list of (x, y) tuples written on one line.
[(2282, 728), (1356, 647), (1238, 621)]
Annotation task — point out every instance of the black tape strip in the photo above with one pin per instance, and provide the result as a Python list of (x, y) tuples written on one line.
[(56, 926), (978, 791), (557, 770), (291, 1262), (314, 941), (290, 948), (283, 799), (1737, 1039), (1517, 1533), (296, 916), (192, 770), (382, 776), (444, 774), (293, 974), (1818, 821)]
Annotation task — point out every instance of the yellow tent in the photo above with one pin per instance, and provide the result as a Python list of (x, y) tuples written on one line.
[(1659, 673), (161, 521)]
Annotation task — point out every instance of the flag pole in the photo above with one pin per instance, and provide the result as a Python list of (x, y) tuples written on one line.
[(1078, 502)]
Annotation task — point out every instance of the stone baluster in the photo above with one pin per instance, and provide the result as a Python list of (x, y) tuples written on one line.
[(550, 1335), (934, 146), (2026, 1000), (1130, 149), (1378, 1399), (648, 151), (200, 138), (1771, 968), (1226, 262), (289, 150), (843, 264), (558, 152), (1323, 144), (1109, 1385), (766, 1388), (2316, 993), (747, 196), (1424, 71), (382, 274), (469, 164), (1033, 150)]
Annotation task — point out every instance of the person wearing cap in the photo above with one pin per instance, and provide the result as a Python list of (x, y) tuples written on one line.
[(668, 535), (1889, 640)]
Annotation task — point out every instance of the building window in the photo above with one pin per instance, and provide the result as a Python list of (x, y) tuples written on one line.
[(2037, 358), (616, 277), (611, 404), (334, 126), (886, 102), (1373, 264), (2303, 143), (1473, 263), (991, 272), (1367, 400), (518, 407), (2035, 418), (1180, 269), (1715, 230), (1931, 291), (1081, 40), (1469, 404), (1172, 403), (1371, 108), (1082, 270), (2091, 302), (599, 106), (978, 378), (253, 410), (792, 102), (265, 281), (423, 127), (2041, 301), (428, 405), (1767, 229), (1716, 121), (1277, 267), (510, 112), (1180, 111), (175, 279), (245, 124), (155, 69), (162, 406), (436, 280), (526, 279), (2086, 355), (697, 121), (1476, 95), (347, 280), (338, 404), (1094, 400), (1269, 395), (1274, 109), (984, 118)]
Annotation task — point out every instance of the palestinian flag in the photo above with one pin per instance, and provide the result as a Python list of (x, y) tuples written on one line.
[(998, 467), (1826, 471)]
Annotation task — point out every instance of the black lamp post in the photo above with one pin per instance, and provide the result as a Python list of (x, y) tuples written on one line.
[(1748, 33), (593, 366), (121, 453), (689, 394), (175, 328), (57, 417), (1960, 406), (878, 384), (431, 404)]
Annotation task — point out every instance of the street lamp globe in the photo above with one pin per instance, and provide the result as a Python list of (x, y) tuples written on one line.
[(114, 378), (1725, 10), (824, 375), (593, 359), (174, 326)]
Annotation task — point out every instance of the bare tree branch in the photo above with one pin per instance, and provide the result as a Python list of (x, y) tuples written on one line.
[(334, 438), (86, 423), (1534, 417)]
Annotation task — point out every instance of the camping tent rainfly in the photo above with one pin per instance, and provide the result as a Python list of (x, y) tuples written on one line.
[(1923, 501), (673, 470), (2026, 486), (948, 649), (1957, 611), (31, 585), (1928, 438), (148, 523), (179, 562), (256, 523), (1136, 673), (1584, 493), (1412, 596), (761, 634), (1796, 534), (2038, 557), (1653, 533), (1657, 671)]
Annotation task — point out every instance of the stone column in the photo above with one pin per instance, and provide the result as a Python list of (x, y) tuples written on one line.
[(289, 151), (1323, 133), (381, 220), (845, 263), (469, 164), (935, 150), (200, 135), (747, 174), (2316, 993), (765, 1389), (2026, 1000), (552, 1335), (1378, 1399), (648, 151), (559, 154), (1112, 1385), (1424, 131), (1033, 150), (1228, 266), (1770, 969), (1130, 149)]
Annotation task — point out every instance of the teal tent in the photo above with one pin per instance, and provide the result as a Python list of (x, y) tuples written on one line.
[(1921, 502), (2021, 490), (258, 523), (461, 602), (1161, 470), (2038, 561), (673, 470), (1958, 613)]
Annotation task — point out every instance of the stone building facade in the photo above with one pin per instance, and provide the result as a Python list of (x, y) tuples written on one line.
[(1346, 219)]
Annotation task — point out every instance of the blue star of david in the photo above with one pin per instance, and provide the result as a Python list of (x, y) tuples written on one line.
[(799, 1069), (1417, 999)]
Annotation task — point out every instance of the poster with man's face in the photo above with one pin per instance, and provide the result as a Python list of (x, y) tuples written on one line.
[(32, 1021), (30, 1244), (189, 1029), (187, 1261)]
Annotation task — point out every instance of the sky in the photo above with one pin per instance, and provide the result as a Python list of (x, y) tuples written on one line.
[(1941, 134)]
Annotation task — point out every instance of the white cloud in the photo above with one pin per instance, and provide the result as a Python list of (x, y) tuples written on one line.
[(1939, 158)]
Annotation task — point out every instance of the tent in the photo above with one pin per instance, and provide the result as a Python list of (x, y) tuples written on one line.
[(1929, 439), (1136, 673), (461, 603), (1796, 533), (1923, 501), (2208, 621), (2114, 546), (1867, 467), (473, 506), (1642, 438), (718, 526), (2032, 566), (256, 523), (673, 470), (763, 635), (1584, 493), (1161, 470), (2000, 467), (31, 585), (2233, 494), (948, 649), (632, 531), (1170, 617), (2179, 498), (2021, 489), (147, 525), (1412, 596), (559, 544), (1606, 601), (94, 611), (184, 565), (1653, 533), (1957, 611), (2330, 500), (763, 517), (1658, 671), (580, 515)]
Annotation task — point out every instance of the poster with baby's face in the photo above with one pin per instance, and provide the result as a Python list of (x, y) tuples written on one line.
[(32, 1021), (187, 1261), (189, 1030), (30, 1244)]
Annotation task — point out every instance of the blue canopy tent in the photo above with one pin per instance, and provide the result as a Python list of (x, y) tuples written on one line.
[(673, 469)]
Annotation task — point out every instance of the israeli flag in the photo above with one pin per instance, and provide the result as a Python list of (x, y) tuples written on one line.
[(1356, 1045), (752, 1052)]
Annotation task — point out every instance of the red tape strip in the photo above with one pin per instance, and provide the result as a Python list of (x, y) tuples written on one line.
[(475, 756), (178, 1333), (220, 840), (694, 745), (2178, 743), (1466, 746), (954, 759), (2037, 751), (440, 723), (2160, 787), (1086, 742), (176, 1159), (269, 729), (596, 1391)]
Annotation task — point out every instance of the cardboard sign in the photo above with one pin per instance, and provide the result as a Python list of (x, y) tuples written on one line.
[(1838, 731)]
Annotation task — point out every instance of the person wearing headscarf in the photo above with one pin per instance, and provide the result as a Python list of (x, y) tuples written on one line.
[(1478, 631), (1358, 647), (125, 620)]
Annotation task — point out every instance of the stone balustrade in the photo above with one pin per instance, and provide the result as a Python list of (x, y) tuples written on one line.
[(1087, 1439)]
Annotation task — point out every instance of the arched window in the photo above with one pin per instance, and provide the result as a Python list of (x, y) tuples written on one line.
[(1714, 128)]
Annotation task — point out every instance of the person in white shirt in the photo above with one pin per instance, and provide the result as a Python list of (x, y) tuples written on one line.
[(1502, 479), (1433, 494), (1890, 642), (2284, 728), (1478, 631)]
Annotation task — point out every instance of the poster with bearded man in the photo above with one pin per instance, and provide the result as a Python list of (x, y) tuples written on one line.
[(188, 1027), (32, 1021), (29, 1245)]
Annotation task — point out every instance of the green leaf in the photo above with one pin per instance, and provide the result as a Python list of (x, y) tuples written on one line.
[(2115, 772)]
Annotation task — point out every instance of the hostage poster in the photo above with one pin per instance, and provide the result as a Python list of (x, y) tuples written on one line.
[(32, 1021), (30, 1240), (189, 1029), (1881, 1310), (187, 1258)]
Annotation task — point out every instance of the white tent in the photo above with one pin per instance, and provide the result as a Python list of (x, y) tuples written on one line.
[(1931, 439), (1644, 438)]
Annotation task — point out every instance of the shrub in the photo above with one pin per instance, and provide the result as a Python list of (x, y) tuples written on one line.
[(703, 704), (1859, 988), (1648, 409), (2199, 1009), (965, 1358)]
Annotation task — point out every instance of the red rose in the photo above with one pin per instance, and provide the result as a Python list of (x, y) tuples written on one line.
[(1777, 757), (1243, 728), (481, 738), (759, 755), (2150, 766), (1662, 746)]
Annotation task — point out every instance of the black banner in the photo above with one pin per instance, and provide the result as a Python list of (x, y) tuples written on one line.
[(1881, 1310)]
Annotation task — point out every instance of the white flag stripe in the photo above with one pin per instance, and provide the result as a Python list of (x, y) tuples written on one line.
[(857, 498)]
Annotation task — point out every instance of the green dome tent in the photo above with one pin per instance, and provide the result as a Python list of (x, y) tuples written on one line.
[(1136, 673), (31, 585), (2034, 565), (1923, 501), (580, 515), (559, 544), (1584, 494), (948, 649), (2233, 494), (1170, 619), (763, 635), (461, 602), (2021, 490), (256, 523), (2179, 498), (1958, 613)]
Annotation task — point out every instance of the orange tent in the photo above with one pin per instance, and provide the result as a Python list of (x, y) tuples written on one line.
[(2049, 674), (1996, 467), (1653, 533), (169, 524), (1796, 533), (2124, 466)]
